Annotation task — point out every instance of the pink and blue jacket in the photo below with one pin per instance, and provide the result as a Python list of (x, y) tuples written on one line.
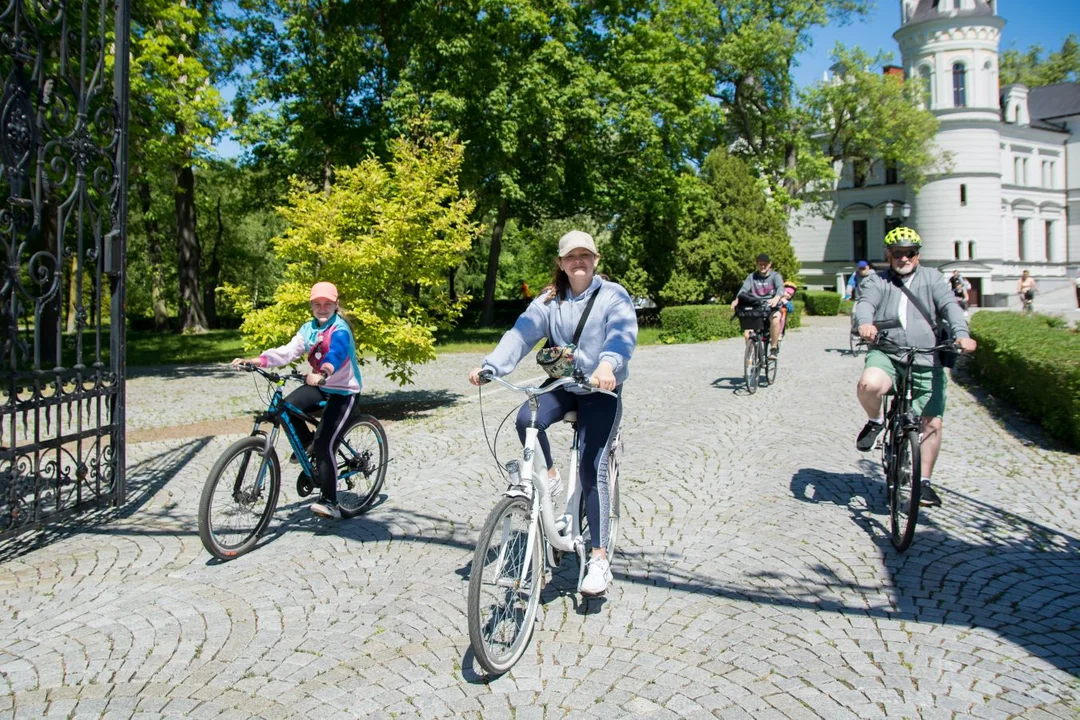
[(330, 344)]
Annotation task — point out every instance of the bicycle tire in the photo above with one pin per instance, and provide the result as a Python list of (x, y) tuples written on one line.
[(361, 456), (751, 367), (772, 365), (499, 639), (249, 451), (904, 489)]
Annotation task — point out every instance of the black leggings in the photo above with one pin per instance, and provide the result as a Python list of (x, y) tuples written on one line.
[(597, 423), (335, 416)]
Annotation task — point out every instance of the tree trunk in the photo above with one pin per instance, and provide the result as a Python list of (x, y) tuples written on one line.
[(192, 318), (73, 294), (213, 274), (157, 271), (451, 278), (487, 316)]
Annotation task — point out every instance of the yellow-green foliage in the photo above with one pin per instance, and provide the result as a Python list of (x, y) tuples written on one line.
[(381, 233)]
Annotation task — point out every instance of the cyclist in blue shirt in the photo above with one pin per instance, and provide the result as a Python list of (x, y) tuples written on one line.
[(327, 341)]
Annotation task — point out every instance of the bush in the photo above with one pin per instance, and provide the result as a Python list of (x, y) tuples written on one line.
[(847, 307), (697, 323), (1032, 365), (799, 296), (822, 302)]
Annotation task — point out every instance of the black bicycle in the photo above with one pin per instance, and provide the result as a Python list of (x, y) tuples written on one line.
[(900, 450), (241, 492), (756, 358)]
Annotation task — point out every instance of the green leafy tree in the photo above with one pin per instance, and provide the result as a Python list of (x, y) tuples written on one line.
[(728, 220), (1031, 69), (176, 113), (386, 236), (864, 116), (756, 49)]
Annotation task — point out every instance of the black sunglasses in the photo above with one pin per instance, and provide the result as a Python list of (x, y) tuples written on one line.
[(898, 253)]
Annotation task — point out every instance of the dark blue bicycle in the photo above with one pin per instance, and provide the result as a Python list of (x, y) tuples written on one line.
[(241, 492)]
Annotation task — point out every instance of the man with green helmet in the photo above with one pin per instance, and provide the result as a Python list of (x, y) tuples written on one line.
[(883, 305)]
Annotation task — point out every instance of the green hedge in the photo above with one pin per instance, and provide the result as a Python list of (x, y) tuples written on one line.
[(847, 307), (822, 302), (1034, 364), (698, 323)]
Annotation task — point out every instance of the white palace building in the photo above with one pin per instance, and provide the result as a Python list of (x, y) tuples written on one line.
[(1010, 200)]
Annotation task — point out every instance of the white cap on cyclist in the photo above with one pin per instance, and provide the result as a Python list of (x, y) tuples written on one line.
[(576, 239)]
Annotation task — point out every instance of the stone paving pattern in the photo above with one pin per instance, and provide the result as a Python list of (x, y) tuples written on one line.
[(754, 577)]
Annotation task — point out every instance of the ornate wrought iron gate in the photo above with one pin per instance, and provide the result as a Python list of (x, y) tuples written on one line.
[(63, 229)]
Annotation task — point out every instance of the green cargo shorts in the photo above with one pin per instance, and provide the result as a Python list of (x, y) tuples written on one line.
[(927, 384)]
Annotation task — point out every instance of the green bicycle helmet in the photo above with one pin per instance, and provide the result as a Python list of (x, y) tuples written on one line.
[(902, 236)]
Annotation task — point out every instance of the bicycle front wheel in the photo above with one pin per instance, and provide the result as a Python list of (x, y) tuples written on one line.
[(772, 365), (361, 457), (504, 588), (751, 366), (904, 486), (236, 504)]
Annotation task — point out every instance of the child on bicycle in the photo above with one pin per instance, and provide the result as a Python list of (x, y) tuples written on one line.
[(603, 349), (327, 341)]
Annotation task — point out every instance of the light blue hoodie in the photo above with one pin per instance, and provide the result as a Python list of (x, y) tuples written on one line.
[(610, 333)]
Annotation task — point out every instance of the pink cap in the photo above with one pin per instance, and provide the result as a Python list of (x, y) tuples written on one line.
[(324, 290)]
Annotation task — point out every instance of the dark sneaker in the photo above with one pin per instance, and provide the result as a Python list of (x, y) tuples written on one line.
[(868, 435), (773, 352), (929, 498)]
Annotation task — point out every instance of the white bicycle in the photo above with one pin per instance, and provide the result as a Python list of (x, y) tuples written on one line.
[(521, 533)]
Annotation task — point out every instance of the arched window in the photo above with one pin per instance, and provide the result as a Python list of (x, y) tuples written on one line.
[(926, 82), (959, 89)]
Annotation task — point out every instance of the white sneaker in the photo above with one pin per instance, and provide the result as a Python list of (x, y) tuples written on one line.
[(597, 577), (555, 486), (326, 509)]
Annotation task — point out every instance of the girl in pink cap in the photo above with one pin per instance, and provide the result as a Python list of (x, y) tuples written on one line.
[(327, 341)]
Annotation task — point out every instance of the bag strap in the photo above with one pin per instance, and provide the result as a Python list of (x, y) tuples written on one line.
[(914, 301), (585, 315)]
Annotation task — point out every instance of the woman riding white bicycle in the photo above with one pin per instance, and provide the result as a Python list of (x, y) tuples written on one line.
[(590, 324)]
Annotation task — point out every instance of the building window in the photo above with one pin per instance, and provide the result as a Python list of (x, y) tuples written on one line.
[(971, 249), (858, 173), (957, 253), (1024, 174), (1049, 240), (927, 86), (1051, 174), (963, 194), (959, 87), (891, 175), (858, 234), (1021, 232), (1045, 174), (1017, 165)]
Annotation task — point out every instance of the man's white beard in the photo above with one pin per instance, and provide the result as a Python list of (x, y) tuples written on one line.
[(910, 269)]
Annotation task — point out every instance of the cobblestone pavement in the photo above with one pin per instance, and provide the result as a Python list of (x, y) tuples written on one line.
[(754, 578)]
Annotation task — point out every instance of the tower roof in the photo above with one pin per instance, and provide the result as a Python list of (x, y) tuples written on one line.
[(929, 10)]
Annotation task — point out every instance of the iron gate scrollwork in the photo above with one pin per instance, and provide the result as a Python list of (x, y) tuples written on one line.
[(63, 227)]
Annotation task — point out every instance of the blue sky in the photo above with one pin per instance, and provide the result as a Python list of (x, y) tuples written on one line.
[(1027, 22)]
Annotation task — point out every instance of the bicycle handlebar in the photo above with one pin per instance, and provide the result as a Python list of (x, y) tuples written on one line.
[(273, 376), (883, 339), (579, 380)]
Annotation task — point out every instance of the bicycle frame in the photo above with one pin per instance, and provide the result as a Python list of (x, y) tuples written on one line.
[(568, 537)]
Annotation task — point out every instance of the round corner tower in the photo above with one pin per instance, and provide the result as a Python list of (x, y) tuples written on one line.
[(951, 48)]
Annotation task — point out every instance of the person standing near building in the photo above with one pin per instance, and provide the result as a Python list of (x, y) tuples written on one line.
[(959, 288), (862, 269)]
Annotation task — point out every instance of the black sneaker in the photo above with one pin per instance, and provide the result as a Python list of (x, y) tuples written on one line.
[(929, 498), (868, 435), (773, 352)]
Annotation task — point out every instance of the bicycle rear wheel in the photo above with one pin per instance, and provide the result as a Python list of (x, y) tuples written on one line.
[(904, 486), (504, 594), (361, 456), (236, 506), (751, 366)]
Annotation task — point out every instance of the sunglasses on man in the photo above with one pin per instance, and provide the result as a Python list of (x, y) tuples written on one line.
[(898, 253)]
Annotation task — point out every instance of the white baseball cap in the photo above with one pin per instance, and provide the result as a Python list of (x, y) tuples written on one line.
[(576, 239)]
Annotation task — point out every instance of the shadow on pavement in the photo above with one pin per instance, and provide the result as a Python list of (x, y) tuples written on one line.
[(990, 568), (406, 404), (144, 480)]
